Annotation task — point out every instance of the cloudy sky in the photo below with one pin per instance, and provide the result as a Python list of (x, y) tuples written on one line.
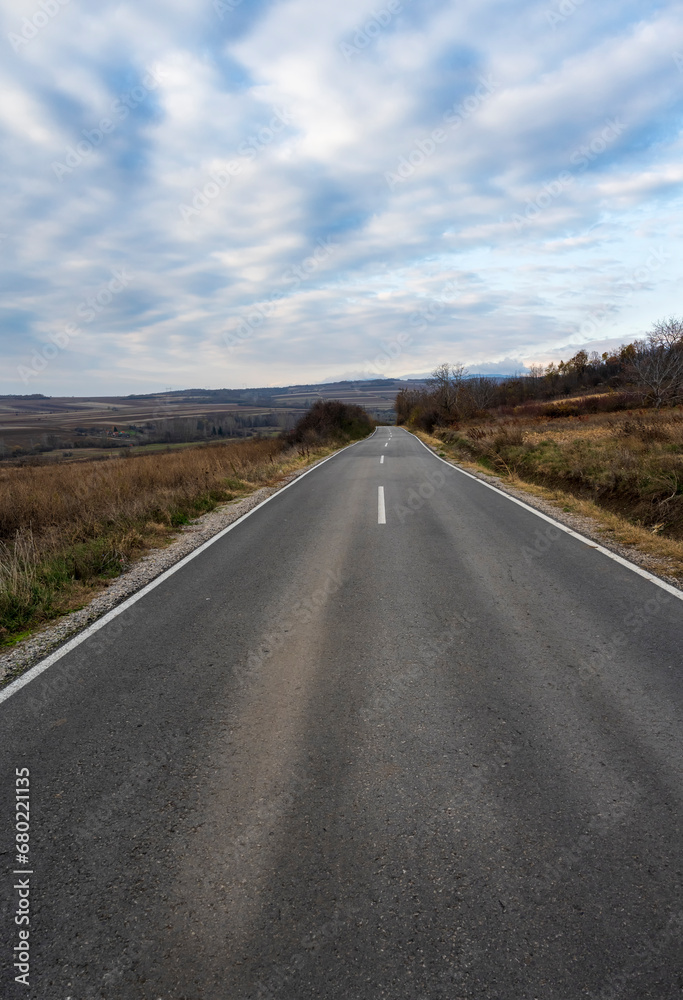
[(243, 192)]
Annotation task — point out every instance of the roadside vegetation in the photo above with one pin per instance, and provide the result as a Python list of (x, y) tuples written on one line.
[(603, 430), (331, 420), (65, 529)]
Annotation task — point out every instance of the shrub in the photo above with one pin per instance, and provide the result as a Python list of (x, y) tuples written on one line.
[(332, 420)]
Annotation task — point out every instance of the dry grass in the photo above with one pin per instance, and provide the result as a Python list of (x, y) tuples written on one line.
[(630, 463), (624, 470), (578, 399), (66, 529)]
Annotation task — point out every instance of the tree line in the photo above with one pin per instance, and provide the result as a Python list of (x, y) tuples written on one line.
[(647, 372)]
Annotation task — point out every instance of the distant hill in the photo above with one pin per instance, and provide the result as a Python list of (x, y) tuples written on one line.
[(284, 395), (425, 376)]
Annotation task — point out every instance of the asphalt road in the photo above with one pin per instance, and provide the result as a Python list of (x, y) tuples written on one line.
[(436, 757)]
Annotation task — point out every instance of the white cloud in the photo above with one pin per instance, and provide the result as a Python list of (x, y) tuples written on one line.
[(521, 289)]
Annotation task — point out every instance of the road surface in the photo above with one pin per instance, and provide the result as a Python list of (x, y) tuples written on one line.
[(391, 736)]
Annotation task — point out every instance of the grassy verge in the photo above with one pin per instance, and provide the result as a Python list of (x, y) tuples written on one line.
[(65, 530), (605, 469)]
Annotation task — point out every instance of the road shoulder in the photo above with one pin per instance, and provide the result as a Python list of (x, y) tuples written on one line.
[(659, 556)]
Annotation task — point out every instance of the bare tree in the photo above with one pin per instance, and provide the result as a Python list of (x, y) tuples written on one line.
[(667, 333), (481, 391), (655, 365), (446, 384)]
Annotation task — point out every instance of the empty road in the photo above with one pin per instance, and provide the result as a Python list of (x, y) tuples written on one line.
[(391, 736)]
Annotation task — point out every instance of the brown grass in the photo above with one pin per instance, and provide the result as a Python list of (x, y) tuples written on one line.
[(66, 529), (624, 470), (79, 500)]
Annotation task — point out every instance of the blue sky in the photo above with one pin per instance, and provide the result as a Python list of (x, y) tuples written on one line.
[(250, 193)]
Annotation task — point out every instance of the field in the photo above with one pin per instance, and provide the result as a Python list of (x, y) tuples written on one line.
[(94, 427), (76, 429)]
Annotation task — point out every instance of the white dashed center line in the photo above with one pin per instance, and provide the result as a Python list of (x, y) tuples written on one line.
[(381, 461), (381, 513)]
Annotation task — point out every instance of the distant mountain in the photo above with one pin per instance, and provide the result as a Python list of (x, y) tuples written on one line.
[(355, 376)]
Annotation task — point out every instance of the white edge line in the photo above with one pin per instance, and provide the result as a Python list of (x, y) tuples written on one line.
[(43, 665), (563, 527)]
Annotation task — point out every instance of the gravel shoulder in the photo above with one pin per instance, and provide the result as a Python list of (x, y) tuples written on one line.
[(28, 652)]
